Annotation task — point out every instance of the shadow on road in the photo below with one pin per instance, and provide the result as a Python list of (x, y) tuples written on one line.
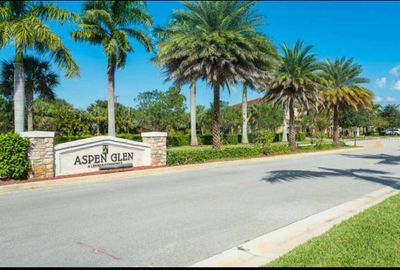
[(383, 158), (376, 176)]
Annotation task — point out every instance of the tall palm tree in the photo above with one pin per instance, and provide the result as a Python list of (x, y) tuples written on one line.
[(39, 79), (164, 34), (343, 89), (22, 24), (295, 83), (216, 42), (111, 24)]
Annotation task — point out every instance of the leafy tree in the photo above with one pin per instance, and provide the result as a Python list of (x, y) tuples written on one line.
[(5, 115), (230, 118), (39, 79), (162, 111), (110, 24), (61, 117), (216, 42), (164, 34), (295, 82), (392, 114), (203, 119), (98, 114), (22, 24), (126, 119), (343, 89), (265, 116)]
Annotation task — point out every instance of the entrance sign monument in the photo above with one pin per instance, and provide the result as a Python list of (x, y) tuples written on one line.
[(92, 154)]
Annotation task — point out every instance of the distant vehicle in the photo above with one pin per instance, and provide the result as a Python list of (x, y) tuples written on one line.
[(394, 131)]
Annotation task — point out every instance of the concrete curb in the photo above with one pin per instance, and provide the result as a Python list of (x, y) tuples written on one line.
[(271, 246), (126, 175)]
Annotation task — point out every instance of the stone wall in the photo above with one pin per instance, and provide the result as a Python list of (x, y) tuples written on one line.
[(158, 144), (41, 153)]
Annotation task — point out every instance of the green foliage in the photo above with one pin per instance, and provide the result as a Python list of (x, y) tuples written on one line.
[(23, 25), (178, 140), (181, 157), (14, 156), (109, 23), (392, 114), (265, 116), (6, 115), (64, 139), (62, 117), (231, 139), (353, 118), (162, 111), (263, 141), (133, 137), (300, 136)]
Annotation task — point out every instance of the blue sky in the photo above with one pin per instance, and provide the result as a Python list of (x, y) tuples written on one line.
[(367, 31)]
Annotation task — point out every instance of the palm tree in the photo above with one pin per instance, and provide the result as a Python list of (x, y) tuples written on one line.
[(39, 79), (164, 34), (110, 24), (295, 83), (22, 24), (343, 79), (216, 42)]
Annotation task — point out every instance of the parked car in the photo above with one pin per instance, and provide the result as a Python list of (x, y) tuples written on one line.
[(394, 131)]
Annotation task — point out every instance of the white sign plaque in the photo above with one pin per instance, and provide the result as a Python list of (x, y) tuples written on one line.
[(89, 155)]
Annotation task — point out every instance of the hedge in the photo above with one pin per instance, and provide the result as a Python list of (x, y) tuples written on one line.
[(189, 156), (14, 162), (199, 155)]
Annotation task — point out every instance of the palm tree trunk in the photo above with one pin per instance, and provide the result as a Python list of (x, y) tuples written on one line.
[(19, 94), (292, 129), (215, 123), (285, 125), (29, 107), (336, 126), (111, 96), (245, 139), (193, 133)]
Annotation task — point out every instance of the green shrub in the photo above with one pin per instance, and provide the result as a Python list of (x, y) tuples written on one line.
[(206, 139), (264, 141), (373, 133), (231, 139), (178, 140), (198, 155), (300, 136), (64, 139), (132, 137), (278, 137), (14, 162)]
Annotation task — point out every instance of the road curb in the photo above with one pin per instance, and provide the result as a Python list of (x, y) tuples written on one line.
[(271, 246)]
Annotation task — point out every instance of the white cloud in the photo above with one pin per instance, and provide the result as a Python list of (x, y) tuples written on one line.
[(379, 99), (395, 71), (396, 85), (381, 82)]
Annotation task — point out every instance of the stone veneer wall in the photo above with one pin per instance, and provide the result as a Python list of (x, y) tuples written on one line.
[(158, 144), (41, 153)]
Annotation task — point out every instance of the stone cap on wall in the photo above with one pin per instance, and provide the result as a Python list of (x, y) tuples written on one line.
[(37, 134), (154, 134), (98, 140)]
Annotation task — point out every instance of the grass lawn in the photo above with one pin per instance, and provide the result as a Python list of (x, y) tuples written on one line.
[(371, 238)]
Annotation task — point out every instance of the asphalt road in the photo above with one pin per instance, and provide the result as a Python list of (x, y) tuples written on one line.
[(182, 218)]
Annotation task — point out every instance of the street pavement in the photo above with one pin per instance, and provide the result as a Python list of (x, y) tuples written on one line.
[(181, 218)]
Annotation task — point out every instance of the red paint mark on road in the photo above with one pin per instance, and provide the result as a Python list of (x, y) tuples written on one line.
[(97, 250)]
